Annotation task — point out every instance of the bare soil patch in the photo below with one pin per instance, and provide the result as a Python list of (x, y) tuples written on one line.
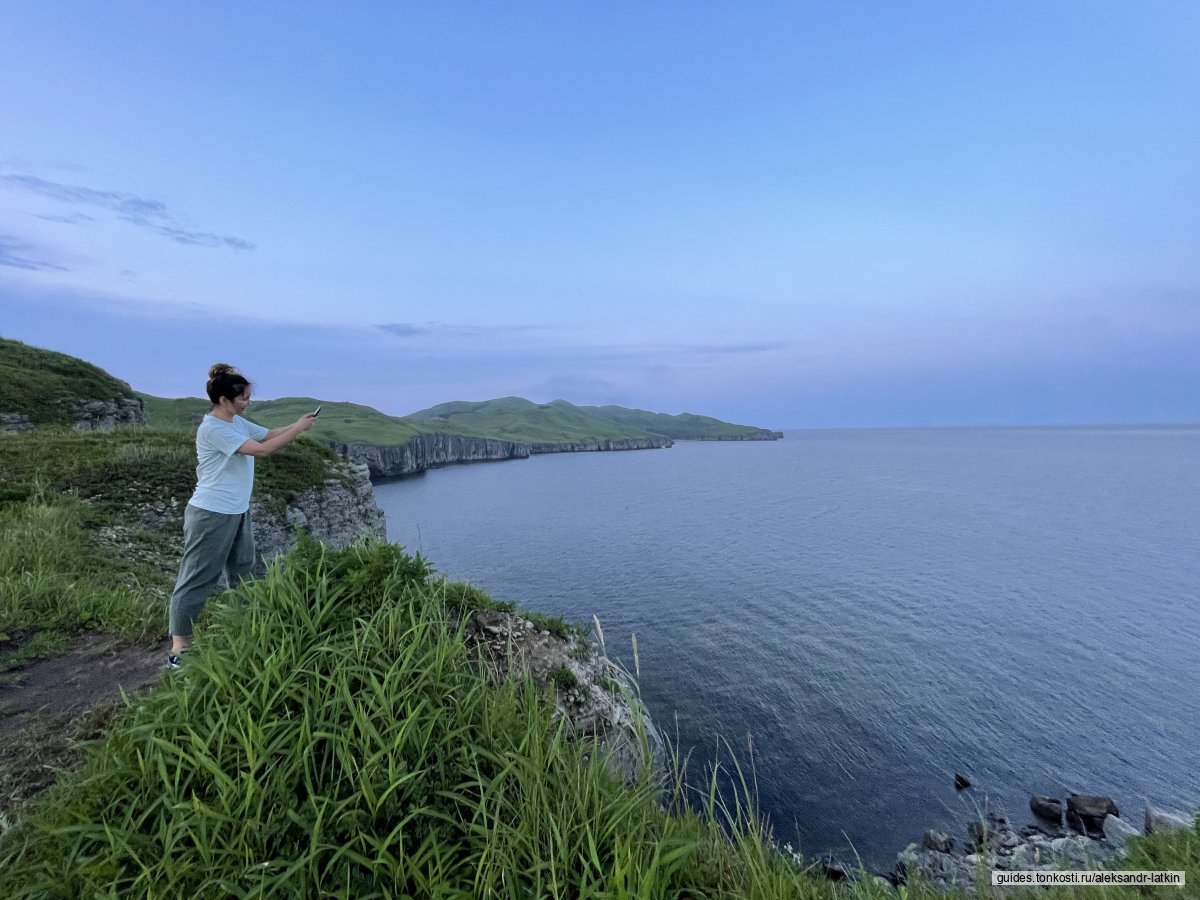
[(50, 706)]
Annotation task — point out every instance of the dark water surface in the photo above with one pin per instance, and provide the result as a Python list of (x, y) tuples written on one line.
[(877, 609)]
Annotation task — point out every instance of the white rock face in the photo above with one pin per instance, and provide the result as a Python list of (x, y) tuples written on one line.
[(1118, 831), (1163, 820), (337, 513)]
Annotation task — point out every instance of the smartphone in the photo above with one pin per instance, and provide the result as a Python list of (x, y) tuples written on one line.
[(316, 412)]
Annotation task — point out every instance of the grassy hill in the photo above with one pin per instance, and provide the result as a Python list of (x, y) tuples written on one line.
[(509, 418), (683, 427), (42, 384), (517, 419)]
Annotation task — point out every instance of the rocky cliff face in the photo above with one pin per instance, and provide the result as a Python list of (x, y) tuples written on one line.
[(336, 513), (86, 415), (762, 434), (105, 415), (653, 443), (594, 697), (429, 451)]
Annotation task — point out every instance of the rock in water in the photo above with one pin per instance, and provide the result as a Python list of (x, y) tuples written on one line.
[(937, 841), (1086, 812), (960, 782), (1046, 808)]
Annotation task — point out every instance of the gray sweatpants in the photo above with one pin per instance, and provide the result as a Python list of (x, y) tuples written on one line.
[(212, 543)]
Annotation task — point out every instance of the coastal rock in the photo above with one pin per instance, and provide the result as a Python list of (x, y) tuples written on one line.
[(832, 869), (758, 434), (653, 443), (592, 694), (428, 451), (977, 834), (1118, 831), (938, 841), (1086, 812), (1081, 852), (337, 512), (1162, 820), (1046, 808), (996, 845), (1026, 858), (960, 782)]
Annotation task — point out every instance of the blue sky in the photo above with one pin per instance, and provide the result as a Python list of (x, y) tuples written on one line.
[(792, 215)]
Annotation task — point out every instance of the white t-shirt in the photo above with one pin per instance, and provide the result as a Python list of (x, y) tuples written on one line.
[(224, 477)]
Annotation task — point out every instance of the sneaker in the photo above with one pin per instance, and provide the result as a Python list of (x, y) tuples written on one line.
[(173, 662)]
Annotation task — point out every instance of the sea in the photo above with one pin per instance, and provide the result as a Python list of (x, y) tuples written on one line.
[(855, 616)]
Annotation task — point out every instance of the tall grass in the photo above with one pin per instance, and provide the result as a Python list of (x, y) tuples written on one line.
[(51, 578)]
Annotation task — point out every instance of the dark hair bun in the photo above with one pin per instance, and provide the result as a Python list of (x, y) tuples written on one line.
[(221, 369)]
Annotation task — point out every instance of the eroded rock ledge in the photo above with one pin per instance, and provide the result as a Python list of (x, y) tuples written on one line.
[(592, 695)]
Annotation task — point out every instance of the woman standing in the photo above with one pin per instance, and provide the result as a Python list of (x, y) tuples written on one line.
[(216, 522)]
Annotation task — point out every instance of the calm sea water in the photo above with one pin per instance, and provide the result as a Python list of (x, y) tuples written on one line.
[(872, 610)]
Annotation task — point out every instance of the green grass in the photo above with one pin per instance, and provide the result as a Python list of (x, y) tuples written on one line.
[(42, 384), (180, 413), (556, 625), (53, 579), (564, 678), (123, 470)]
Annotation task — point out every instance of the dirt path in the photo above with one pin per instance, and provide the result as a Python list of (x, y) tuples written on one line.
[(50, 705)]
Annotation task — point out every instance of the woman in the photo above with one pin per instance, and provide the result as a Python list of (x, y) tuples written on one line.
[(216, 522)]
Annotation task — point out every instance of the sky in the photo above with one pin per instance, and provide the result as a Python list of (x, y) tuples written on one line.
[(790, 215)]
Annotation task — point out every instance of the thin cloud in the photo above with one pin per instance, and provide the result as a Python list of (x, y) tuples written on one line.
[(143, 212), (737, 348), (73, 219), (130, 204), (191, 238), (403, 329), (14, 253), (408, 329)]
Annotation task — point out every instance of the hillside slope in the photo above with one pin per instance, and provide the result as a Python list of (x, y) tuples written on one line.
[(682, 427), (517, 419), (42, 387)]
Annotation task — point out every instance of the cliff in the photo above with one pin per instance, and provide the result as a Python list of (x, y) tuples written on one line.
[(336, 512), (759, 434), (430, 451), (648, 443), (427, 451)]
